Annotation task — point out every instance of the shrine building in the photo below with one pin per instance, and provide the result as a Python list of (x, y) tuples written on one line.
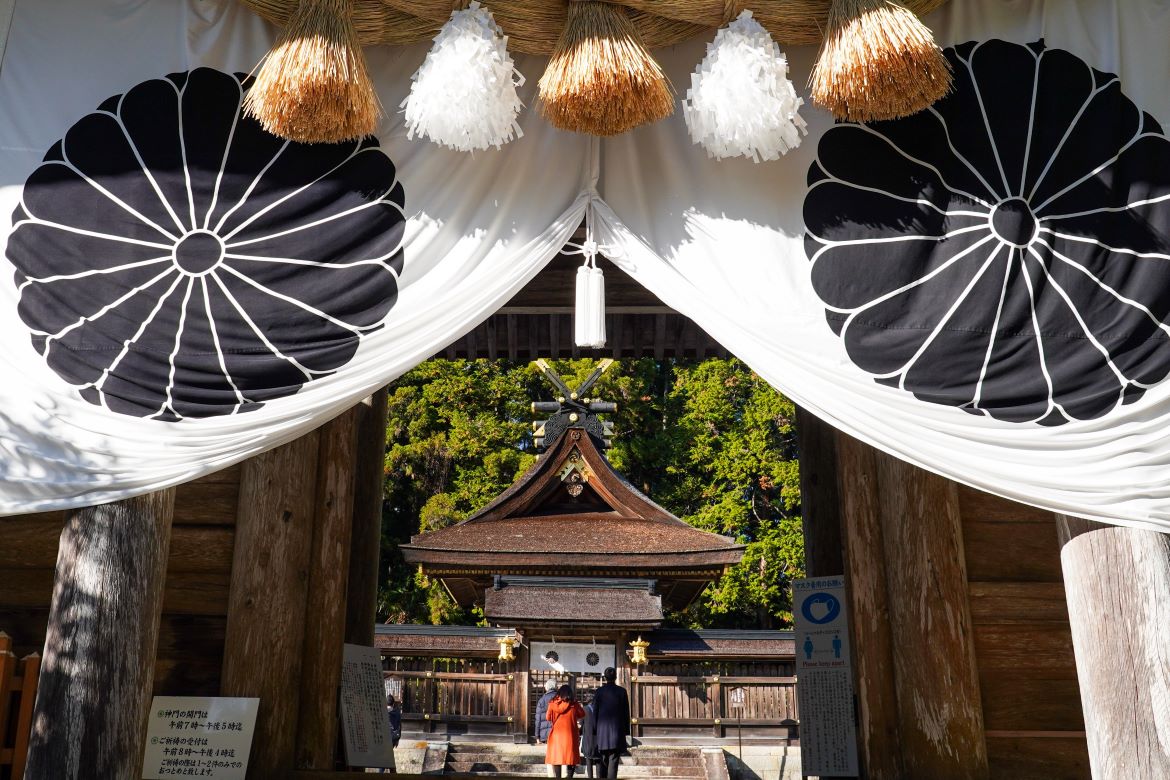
[(574, 568)]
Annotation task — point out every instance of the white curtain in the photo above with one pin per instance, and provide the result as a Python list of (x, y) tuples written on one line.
[(727, 243)]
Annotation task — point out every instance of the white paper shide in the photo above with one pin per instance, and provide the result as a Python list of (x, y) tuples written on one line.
[(464, 94), (741, 102)]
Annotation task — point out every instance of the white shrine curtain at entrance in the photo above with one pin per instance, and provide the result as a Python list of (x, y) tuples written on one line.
[(788, 263)]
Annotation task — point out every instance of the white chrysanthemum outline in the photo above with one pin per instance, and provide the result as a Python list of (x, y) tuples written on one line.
[(190, 224), (1003, 188)]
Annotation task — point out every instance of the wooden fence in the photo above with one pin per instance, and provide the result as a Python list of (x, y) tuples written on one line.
[(659, 703), (456, 697), (18, 692), (666, 702)]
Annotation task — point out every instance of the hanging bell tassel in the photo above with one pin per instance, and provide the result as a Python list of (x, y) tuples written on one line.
[(464, 94), (581, 308), (595, 308), (589, 315), (741, 103), (878, 61), (313, 86), (601, 79)]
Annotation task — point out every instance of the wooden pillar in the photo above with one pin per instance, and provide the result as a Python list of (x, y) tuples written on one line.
[(522, 716), (365, 555), (878, 741), (1117, 582), (922, 565), (265, 635), (819, 498), (325, 611), (96, 679)]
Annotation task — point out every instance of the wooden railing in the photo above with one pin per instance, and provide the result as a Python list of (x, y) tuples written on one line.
[(430, 698), (18, 693), (456, 696), (669, 700)]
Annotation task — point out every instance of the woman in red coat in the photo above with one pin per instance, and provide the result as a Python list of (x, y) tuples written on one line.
[(563, 735)]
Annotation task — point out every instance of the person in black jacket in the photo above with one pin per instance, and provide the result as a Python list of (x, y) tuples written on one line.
[(611, 718)]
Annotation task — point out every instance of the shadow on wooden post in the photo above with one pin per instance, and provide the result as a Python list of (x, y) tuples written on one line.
[(1117, 581), (95, 684)]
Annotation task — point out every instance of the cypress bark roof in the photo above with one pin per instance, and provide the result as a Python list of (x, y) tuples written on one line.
[(573, 503)]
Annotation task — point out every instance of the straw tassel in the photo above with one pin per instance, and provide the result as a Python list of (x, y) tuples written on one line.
[(601, 79), (313, 86), (878, 62)]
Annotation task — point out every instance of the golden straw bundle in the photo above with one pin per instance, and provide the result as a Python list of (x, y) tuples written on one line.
[(601, 79), (878, 62), (313, 86)]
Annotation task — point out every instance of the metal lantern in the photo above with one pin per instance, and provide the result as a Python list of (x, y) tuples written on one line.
[(506, 645), (639, 645)]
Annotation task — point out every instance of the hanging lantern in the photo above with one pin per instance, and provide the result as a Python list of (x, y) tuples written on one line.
[(506, 645), (741, 103), (464, 94), (878, 61), (313, 86), (601, 79), (638, 651)]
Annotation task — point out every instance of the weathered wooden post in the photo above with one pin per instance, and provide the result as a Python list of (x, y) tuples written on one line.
[(369, 467), (96, 679), (265, 635), (1117, 582)]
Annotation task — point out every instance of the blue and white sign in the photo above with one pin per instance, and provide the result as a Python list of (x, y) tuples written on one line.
[(824, 687)]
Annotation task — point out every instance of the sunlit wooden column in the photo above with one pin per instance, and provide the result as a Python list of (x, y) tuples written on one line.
[(1117, 582)]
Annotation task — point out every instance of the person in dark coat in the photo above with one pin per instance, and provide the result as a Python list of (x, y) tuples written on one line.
[(589, 754), (542, 725), (611, 716)]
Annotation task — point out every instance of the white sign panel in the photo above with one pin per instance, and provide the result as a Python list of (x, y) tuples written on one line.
[(824, 684), (199, 736), (576, 657), (364, 721)]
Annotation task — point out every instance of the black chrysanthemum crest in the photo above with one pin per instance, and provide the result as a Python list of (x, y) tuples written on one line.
[(174, 260), (1006, 251)]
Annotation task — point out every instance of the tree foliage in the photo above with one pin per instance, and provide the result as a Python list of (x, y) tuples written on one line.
[(710, 441)]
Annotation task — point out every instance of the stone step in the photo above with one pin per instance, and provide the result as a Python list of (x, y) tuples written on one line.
[(539, 770), (536, 756)]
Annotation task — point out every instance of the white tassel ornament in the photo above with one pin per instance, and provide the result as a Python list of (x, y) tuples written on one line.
[(741, 103), (589, 314), (464, 94)]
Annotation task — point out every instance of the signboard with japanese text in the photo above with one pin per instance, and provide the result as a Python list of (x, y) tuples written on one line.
[(199, 736), (824, 688), (365, 724)]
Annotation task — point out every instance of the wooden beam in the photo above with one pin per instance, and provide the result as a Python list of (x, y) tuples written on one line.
[(1117, 582), (366, 535), (659, 336), (511, 320), (325, 609), (264, 639), (94, 690)]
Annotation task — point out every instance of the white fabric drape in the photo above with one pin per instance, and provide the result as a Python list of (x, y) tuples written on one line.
[(723, 242), (479, 228)]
